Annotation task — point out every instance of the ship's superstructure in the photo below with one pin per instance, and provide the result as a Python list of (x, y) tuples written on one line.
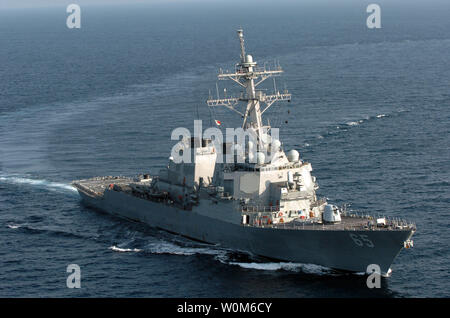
[(250, 195)]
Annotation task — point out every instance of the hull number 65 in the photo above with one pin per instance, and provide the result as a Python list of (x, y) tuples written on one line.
[(361, 240)]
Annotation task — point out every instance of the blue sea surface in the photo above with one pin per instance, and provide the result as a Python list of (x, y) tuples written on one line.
[(370, 111)]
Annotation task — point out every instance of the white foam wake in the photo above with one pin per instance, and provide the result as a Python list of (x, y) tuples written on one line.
[(119, 249), (354, 123), (13, 226), (166, 248), (170, 248), (295, 267), (39, 183), (163, 247)]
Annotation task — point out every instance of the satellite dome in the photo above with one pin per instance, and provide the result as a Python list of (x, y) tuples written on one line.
[(276, 144), (293, 155)]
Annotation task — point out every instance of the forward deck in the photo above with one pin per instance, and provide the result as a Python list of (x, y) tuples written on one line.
[(350, 222)]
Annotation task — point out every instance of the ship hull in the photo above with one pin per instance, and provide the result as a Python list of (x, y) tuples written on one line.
[(337, 249)]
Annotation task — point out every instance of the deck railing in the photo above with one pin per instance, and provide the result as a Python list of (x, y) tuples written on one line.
[(259, 208), (313, 224)]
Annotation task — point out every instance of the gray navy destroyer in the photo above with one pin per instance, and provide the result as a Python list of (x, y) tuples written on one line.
[(263, 201)]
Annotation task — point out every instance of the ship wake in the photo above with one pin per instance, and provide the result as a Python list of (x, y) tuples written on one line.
[(292, 267), (49, 185), (228, 257), (165, 247), (251, 262), (351, 124)]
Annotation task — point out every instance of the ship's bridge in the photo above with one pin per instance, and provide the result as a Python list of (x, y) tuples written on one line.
[(264, 183)]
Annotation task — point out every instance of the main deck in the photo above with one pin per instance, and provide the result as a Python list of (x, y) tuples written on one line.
[(96, 186)]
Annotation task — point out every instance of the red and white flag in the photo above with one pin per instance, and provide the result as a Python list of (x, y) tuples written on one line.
[(218, 122)]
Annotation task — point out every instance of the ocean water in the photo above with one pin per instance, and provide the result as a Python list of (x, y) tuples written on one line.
[(370, 111)]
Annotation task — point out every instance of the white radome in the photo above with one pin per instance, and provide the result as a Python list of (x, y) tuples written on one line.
[(276, 144), (293, 155), (261, 158)]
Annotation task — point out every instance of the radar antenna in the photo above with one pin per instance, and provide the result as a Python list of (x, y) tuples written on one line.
[(248, 75)]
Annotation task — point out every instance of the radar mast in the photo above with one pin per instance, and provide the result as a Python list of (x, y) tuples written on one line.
[(248, 75)]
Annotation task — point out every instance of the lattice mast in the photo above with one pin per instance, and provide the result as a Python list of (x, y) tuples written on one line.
[(248, 75)]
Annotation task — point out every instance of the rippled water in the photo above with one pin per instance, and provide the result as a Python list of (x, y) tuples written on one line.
[(371, 112)]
